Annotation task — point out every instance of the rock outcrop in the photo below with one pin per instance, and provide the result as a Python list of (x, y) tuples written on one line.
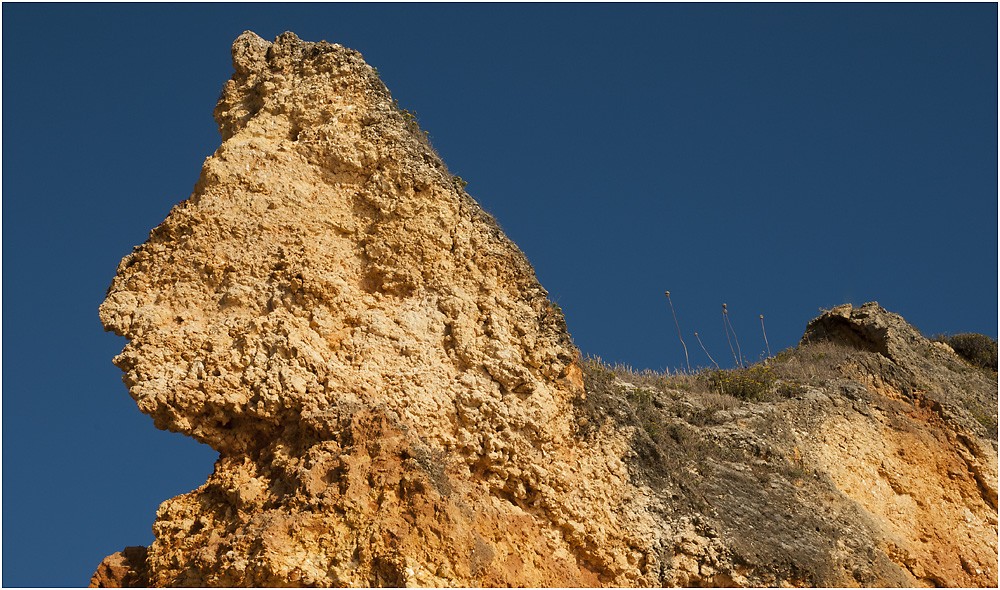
[(395, 401)]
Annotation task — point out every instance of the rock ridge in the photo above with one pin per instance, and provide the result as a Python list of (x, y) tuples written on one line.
[(396, 402)]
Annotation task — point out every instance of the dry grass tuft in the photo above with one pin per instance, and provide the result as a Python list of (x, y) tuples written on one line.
[(814, 363)]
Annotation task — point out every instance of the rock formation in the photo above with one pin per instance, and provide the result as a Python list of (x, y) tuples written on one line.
[(395, 401)]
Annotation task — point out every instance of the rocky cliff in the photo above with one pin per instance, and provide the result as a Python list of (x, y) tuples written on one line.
[(395, 401)]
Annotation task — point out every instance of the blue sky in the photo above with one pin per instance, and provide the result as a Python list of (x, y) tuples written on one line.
[(776, 158)]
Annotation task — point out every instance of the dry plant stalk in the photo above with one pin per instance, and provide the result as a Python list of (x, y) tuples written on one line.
[(706, 352), (738, 351), (765, 335), (686, 360), (726, 325)]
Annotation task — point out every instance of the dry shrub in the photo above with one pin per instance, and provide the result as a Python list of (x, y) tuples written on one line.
[(749, 383), (721, 401), (978, 350), (813, 363)]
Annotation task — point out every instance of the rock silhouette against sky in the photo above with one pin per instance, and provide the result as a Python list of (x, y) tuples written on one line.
[(396, 401)]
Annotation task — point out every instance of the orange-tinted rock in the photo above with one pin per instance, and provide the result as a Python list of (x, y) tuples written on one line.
[(125, 569)]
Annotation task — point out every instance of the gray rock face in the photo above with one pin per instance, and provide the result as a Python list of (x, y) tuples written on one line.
[(870, 463), (910, 364)]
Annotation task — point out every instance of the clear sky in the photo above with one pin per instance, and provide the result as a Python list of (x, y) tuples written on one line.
[(777, 158)]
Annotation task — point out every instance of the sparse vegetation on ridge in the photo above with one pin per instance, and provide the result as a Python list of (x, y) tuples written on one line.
[(410, 117), (978, 350), (749, 383), (675, 413)]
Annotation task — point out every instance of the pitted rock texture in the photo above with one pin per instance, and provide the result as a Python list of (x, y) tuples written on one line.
[(370, 355), (396, 402)]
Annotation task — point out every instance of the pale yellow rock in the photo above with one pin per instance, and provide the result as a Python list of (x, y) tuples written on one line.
[(328, 268)]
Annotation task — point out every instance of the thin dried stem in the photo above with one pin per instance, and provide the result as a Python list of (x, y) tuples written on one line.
[(686, 360), (740, 352), (725, 324), (765, 335), (706, 352)]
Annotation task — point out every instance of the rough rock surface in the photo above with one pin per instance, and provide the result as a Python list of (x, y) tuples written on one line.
[(396, 402)]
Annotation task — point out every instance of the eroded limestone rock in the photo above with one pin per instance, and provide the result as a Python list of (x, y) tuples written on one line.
[(396, 402), (386, 382)]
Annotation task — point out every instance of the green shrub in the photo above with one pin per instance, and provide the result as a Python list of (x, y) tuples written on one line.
[(978, 350), (784, 355), (749, 383)]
